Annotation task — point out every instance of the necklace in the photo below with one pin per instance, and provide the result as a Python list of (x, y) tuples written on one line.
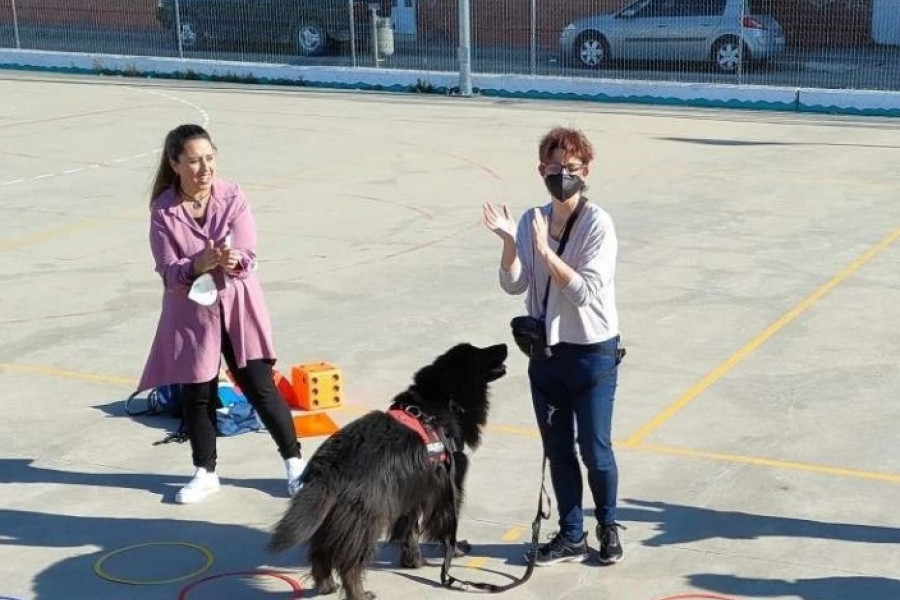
[(198, 204)]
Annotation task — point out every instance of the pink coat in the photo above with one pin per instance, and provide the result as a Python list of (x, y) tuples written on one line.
[(188, 342)]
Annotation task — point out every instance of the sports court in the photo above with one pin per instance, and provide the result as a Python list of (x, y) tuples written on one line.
[(757, 286)]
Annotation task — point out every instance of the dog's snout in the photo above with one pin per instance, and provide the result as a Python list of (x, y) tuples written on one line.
[(495, 358)]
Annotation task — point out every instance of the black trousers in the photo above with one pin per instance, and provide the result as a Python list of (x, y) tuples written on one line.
[(255, 381)]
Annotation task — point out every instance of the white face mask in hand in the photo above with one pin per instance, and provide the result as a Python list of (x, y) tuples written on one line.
[(204, 291)]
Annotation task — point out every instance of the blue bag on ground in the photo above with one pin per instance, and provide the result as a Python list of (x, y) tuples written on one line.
[(234, 416), (239, 417), (164, 400)]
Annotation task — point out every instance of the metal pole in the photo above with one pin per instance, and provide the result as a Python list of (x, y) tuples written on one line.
[(350, 11), (740, 73), (178, 29), (16, 25), (533, 36), (372, 10), (465, 49)]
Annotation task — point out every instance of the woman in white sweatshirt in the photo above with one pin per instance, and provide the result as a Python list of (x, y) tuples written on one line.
[(573, 390)]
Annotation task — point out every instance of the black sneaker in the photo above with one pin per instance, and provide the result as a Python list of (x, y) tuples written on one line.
[(610, 545), (558, 550)]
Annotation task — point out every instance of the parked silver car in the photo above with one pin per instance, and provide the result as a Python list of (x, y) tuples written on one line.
[(725, 32)]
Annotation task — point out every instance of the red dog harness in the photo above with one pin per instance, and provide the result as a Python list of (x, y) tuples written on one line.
[(413, 418)]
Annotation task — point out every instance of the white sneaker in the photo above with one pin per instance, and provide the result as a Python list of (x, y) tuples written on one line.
[(294, 468), (202, 485)]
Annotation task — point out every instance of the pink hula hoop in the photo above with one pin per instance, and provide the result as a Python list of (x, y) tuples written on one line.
[(295, 585)]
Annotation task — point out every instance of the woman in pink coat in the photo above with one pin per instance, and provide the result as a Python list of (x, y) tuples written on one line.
[(203, 240)]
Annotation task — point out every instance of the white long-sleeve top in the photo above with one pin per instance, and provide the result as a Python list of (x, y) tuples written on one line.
[(584, 311)]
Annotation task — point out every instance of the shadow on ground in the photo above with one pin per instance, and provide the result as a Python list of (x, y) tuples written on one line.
[(680, 524), (822, 588), (240, 547)]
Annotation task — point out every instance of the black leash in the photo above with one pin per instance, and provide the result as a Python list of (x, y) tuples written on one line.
[(448, 580), (154, 407)]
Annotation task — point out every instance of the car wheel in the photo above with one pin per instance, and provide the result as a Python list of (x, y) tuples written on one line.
[(728, 54), (591, 50), (190, 33), (311, 38)]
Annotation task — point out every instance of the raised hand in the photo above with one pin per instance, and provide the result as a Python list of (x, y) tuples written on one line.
[(540, 233), (499, 220), (206, 260)]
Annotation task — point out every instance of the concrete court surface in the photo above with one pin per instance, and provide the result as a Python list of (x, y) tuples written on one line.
[(757, 414)]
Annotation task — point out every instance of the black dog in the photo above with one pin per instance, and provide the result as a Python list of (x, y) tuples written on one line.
[(390, 472)]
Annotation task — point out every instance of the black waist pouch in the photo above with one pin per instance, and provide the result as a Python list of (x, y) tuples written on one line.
[(530, 336)]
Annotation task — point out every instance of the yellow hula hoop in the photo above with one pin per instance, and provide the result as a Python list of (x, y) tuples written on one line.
[(98, 566)]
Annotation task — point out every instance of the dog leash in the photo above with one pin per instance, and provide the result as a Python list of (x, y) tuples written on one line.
[(448, 580)]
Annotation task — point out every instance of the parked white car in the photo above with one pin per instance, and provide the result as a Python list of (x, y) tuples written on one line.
[(676, 30)]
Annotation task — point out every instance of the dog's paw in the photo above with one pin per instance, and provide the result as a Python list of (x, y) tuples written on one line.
[(329, 586), (462, 549), (411, 558)]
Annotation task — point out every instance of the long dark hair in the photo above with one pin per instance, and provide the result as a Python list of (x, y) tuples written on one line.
[(173, 146)]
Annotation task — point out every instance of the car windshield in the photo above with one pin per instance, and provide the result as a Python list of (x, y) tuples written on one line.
[(752, 7), (759, 7), (629, 10)]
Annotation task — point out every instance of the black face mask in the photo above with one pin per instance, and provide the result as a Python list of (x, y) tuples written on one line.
[(563, 186)]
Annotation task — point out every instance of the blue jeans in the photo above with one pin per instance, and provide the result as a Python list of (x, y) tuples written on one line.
[(574, 390)]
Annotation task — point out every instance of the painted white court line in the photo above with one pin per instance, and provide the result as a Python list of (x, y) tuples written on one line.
[(203, 113)]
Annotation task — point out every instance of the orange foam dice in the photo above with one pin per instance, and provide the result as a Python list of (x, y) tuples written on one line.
[(285, 388), (317, 385), (314, 424), (230, 377)]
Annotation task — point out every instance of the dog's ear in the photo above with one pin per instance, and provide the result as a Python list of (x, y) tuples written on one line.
[(438, 377), (431, 381)]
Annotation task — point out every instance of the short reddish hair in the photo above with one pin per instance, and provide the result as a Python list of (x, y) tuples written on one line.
[(572, 141)]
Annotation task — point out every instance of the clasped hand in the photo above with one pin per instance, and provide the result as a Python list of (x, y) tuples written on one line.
[(213, 257)]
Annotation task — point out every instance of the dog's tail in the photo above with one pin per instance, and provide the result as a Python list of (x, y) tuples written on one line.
[(306, 513)]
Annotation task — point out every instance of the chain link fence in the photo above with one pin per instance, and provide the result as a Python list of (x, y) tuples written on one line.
[(835, 44)]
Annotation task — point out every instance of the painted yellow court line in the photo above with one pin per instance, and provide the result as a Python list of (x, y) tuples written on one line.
[(65, 373), (86, 224), (477, 562), (511, 535), (514, 533), (514, 430), (49, 234), (689, 396), (771, 462), (77, 227)]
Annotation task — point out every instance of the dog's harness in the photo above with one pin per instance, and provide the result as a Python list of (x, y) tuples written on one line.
[(439, 446)]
